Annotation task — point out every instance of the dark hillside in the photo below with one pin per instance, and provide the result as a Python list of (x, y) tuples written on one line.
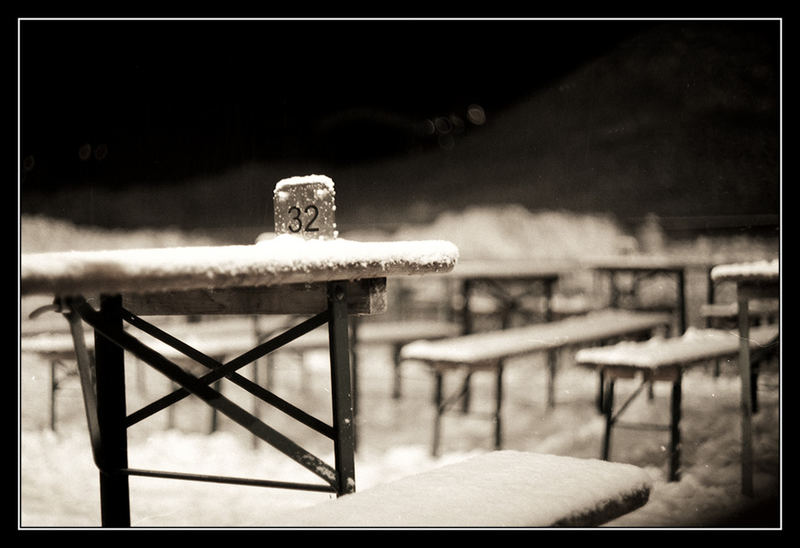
[(680, 119)]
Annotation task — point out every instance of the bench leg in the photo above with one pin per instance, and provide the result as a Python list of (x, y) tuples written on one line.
[(439, 409), (552, 364), (608, 408), (600, 391), (754, 370), (53, 389), (396, 386), (498, 427), (466, 401), (675, 432), (256, 409)]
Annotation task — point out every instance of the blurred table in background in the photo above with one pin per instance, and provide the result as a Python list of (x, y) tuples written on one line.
[(639, 268), (510, 284)]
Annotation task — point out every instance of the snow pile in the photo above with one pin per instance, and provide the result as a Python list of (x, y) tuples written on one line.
[(284, 259), (513, 232), (40, 234)]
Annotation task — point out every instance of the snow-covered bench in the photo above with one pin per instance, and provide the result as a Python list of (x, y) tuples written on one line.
[(489, 350), (661, 359), (220, 339), (496, 489), (392, 333), (58, 349)]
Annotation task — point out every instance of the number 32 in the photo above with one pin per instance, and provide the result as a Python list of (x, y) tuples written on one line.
[(296, 224)]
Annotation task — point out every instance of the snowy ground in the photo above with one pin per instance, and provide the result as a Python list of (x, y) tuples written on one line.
[(58, 484)]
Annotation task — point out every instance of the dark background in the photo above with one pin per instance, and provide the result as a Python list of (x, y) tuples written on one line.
[(191, 123)]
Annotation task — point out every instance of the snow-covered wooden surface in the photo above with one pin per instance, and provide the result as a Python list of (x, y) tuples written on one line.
[(382, 333), (497, 489), (60, 345), (285, 259), (493, 345), (693, 346), (755, 270)]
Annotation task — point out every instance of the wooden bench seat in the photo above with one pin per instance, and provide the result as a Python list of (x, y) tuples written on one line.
[(381, 333), (662, 359), (489, 350), (496, 489), (394, 334), (226, 338)]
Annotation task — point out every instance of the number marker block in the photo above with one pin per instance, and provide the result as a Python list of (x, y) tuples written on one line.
[(305, 206)]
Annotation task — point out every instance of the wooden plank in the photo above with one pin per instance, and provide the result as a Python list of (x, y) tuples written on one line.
[(364, 297), (282, 260), (691, 348), (506, 343)]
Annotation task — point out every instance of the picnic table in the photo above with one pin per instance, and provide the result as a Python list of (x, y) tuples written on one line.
[(754, 280), (502, 280), (497, 277), (642, 267), (296, 272), (664, 359)]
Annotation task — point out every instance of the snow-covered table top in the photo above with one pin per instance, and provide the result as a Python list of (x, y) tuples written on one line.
[(284, 259), (751, 271), (497, 489)]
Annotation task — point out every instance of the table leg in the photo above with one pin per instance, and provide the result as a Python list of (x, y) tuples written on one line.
[(467, 328), (548, 300), (439, 407), (498, 425), (746, 399), (341, 388), (111, 410), (681, 301), (675, 432), (53, 388), (552, 365), (608, 409)]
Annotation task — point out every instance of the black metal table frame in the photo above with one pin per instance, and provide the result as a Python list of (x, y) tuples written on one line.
[(103, 386), (509, 304), (640, 274), (747, 290)]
